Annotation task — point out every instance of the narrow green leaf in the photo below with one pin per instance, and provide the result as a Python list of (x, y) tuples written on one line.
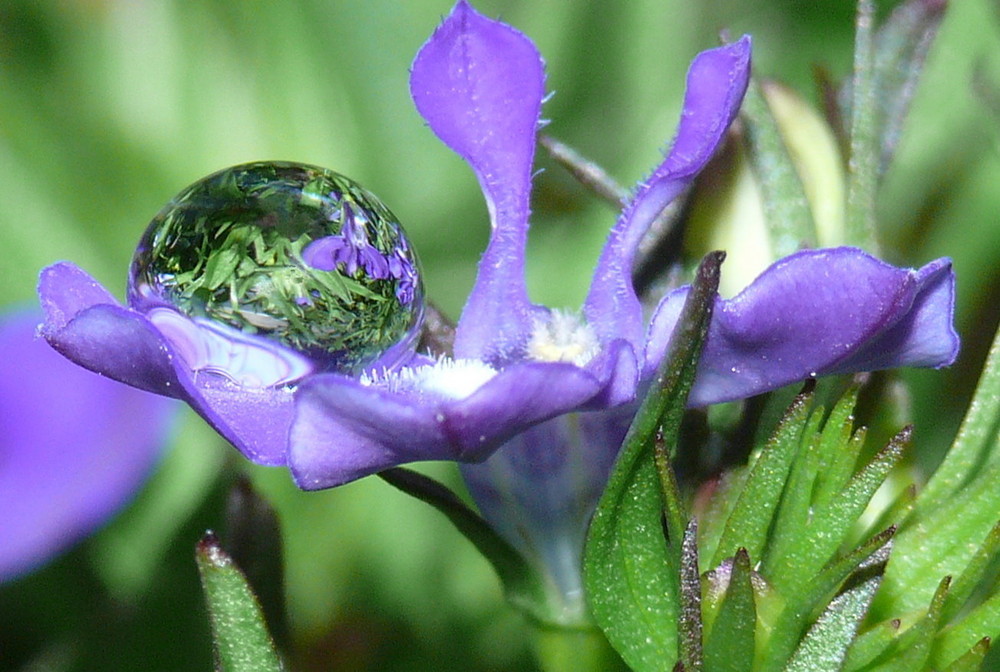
[(786, 208), (630, 573), (824, 648), (830, 525), (981, 622), (862, 169), (837, 452), (972, 661), (520, 584), (941, 542), (674, 514), (911, 650), (690, 630), (976, 444), (721, 496), (871, 644), (796, 509), (810, 596), (242, 643), (729, 647), (220, 267), (963, 587), (748, 524), (897, 511)]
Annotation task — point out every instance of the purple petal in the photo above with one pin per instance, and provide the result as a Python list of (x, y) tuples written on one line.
[(123, 345), (925, 336), (344, 430), (539, 489), (716, 83), (374, 262), (814, 313), (479, 84), (322, 253), (74, 447)]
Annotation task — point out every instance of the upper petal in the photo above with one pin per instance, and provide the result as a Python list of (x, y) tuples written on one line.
[(479, 84), (344, 430), (75, 447), (123, 345), (716, 83), (814, 313)]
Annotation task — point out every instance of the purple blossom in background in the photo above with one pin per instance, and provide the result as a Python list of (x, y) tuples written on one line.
[(74, 447), (539, 398)]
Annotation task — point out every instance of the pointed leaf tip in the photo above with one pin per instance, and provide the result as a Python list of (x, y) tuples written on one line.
[(240, 637), (209, 550)]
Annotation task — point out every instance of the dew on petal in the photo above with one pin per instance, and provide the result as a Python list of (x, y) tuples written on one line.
[(285, 253)]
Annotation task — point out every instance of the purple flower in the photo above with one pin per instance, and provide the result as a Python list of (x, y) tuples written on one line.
[(349, 249), (74, 447), (516, 365), (480, 85)]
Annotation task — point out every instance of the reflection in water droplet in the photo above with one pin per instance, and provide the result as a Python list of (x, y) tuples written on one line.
[(279, 252)]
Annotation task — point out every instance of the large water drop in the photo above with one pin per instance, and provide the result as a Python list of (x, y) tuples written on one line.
[(279, 252)]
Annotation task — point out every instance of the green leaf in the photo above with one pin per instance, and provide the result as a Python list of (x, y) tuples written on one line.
[(871, 644), (796, 508), (786, 208), (911, 650), (976, 446), (825, 646), (631, 574), (973, 659), (963, 587), (521, 584), (242, 643), (220, 267), (982, 622), (838, 452), (830, 525), (690, 630), (862, 169), (810, 595), (748, 523), (957, 509), (729, 646)]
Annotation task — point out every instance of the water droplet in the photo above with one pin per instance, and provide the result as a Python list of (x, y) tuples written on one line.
[(286, 253)]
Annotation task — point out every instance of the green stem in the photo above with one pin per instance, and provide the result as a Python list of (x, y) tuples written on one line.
[(863, 164)]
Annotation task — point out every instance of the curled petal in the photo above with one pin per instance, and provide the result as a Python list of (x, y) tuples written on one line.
[(75, 447), (716, 83), (925, 336), (344, 430), (479, 84), (123, 345), (815, 313)]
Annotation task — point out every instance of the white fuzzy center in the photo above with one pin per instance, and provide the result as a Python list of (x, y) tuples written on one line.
[(563, 337), (450, 378)]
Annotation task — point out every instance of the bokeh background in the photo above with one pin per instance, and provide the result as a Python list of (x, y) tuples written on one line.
[(109, 107)]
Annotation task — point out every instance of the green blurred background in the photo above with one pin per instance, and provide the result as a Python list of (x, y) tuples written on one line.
[(109, 107)]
